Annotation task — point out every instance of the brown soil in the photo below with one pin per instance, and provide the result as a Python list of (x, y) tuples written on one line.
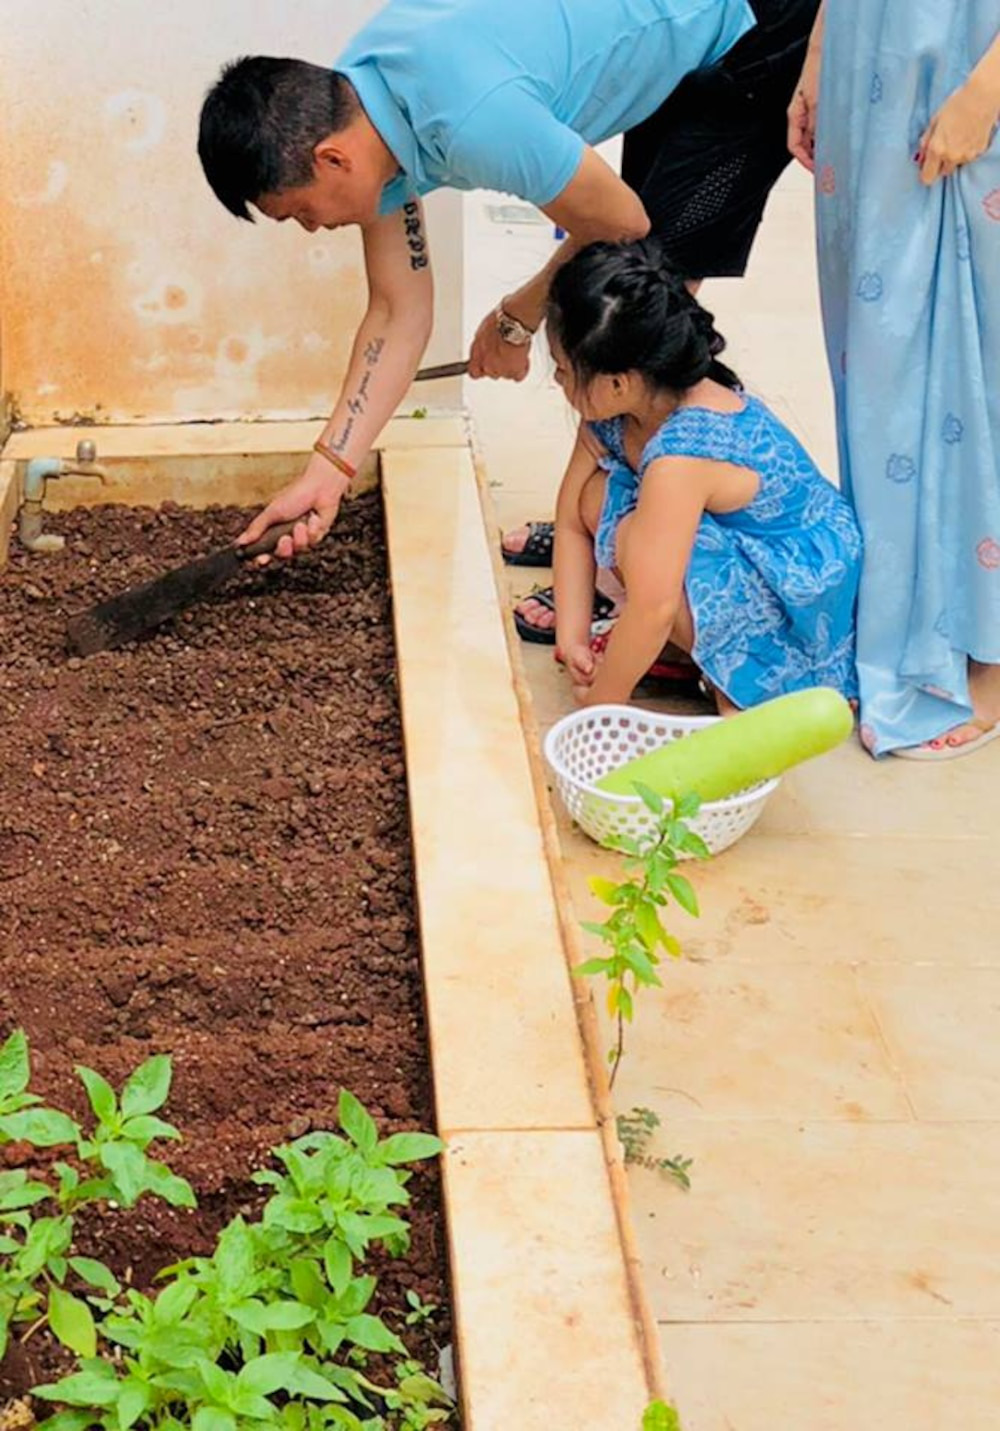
[(204, 851)]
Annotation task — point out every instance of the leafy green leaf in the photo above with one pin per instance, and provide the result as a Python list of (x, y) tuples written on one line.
[(69, 1421), (339, 1264), (174, 1303), (72, 1322), (234, 1259), (293, 1214), (17, 1192), (652, 800), (100, 1094), (658, 1416), (95, 1385), (95, 1274), (43, 1127), (148, 1088), (127, 1165), (14, 1065), (605, 890), (307, 1282), (648, 924), (267, 1374), (48, 1237), (134, 1398), (175, 1190), (682, 891), (591, 966), (212, 1418), (262, 1317), (305, 1381), (372, 1334), (145, 1127), (356, 1122), (409, 1148)]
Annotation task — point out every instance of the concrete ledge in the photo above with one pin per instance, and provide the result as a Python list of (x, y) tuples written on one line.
[(202, 464), (551, 1321)]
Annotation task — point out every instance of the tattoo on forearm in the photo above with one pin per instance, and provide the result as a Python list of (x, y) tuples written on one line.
[(358, 400), (415, 240)]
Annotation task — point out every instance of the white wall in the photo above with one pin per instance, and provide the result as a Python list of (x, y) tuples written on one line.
[(127, 292)]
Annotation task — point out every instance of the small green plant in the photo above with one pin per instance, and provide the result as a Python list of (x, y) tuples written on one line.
[(635, 1130), (420, 1313), (635, 932), (275, 1328), (419, 412), (38, 1266), (659, 1416)]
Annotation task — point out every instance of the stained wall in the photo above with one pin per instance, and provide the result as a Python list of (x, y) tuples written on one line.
[(127, 293)]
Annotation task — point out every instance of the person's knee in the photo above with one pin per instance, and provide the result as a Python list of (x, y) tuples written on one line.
[(592, 500)]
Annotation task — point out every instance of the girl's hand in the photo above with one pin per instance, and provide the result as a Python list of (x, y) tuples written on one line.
[(960, 131), (581, 667)]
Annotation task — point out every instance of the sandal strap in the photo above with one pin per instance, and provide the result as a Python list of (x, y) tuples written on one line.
[(541, 539)]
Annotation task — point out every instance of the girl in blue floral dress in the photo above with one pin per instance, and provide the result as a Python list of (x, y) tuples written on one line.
[(729, 542)]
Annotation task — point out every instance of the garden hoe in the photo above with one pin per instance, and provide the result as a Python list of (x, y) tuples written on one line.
[(124, 618)]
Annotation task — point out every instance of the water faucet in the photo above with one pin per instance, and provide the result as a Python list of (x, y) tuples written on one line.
[(41, 471)]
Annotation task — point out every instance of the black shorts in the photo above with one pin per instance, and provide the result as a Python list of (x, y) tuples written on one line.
[(706, 161)]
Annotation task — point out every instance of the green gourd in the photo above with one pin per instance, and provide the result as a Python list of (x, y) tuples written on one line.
[(742, 750)]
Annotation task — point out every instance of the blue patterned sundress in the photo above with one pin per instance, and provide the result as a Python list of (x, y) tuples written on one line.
[(772, 586), (910, 280)]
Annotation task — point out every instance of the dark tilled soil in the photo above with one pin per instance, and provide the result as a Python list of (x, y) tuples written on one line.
[(204, 851)]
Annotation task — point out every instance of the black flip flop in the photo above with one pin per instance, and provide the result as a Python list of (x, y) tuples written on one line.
[(603, 608), (537, 550)]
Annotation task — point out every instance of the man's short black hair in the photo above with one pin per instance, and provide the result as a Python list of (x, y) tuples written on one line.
[(260, 123)]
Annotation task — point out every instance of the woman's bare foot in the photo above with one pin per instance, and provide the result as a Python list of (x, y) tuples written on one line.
[(984, 691)]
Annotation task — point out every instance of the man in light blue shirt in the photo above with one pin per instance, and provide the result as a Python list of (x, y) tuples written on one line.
[(510, 95)]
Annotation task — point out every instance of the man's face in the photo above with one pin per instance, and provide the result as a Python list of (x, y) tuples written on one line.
[(343, 190)]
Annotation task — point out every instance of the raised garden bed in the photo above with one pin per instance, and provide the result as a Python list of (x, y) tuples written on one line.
[(204, 851)]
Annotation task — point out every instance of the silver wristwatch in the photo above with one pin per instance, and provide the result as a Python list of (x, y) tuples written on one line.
[(511, 329)]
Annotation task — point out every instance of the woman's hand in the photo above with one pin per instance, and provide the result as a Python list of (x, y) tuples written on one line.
[(804, 106), (960, 131)]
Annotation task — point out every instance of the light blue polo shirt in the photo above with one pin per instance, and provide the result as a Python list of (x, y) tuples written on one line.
[(504, 94)]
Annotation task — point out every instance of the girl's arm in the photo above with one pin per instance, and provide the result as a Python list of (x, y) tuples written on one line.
[(963, 127), (654, 552), (573, 562)]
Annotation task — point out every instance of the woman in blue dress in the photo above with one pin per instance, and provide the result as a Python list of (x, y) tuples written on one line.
[(907, 159), (728, 541)]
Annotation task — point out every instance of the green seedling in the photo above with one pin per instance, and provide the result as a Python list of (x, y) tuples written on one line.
[(420, 1313), (635, 1131), (276, 1327), (42, 1280), (635, 932)]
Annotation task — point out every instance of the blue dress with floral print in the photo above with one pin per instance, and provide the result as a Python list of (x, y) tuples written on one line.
[(771, 587), (911, 301)]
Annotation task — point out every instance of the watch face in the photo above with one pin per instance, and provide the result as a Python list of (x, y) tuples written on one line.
[(512, 331)]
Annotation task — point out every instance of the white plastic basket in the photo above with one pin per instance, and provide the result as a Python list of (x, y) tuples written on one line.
[(586, 745)]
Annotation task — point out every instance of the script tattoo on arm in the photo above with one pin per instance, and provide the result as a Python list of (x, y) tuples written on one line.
[(358, 400), (415, 241)]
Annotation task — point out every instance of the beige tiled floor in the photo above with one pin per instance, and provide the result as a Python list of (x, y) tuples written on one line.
[(828, 1053)]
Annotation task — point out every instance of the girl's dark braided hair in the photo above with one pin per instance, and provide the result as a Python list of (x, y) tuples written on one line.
[(622, 307)]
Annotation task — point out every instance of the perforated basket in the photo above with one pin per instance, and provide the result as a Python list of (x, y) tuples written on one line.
[(583, 746)]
